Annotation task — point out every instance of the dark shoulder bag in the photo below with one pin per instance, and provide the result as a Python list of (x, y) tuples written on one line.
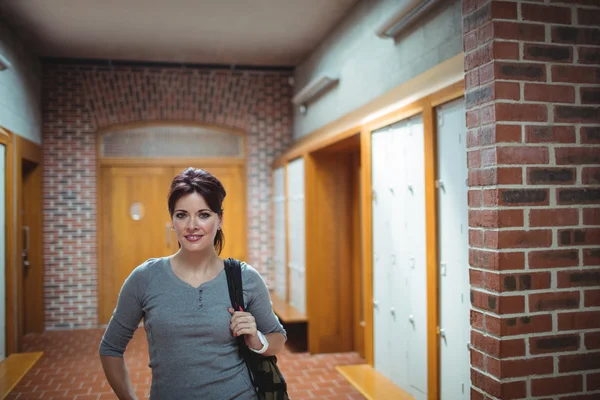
[(266, 378)]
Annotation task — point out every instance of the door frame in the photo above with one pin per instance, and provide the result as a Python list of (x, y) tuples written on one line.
[(182, 162), (6, 138), (26, 150)]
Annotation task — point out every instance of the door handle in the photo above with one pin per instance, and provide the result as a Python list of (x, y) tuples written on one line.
[(393, 311), (411, 319), (26, 237), (168, 231)]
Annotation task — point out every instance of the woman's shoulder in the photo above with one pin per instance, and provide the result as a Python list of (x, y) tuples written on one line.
[(148, 268), (250, 274)]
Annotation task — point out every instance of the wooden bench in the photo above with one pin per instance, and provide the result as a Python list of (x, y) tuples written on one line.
[(286, 312), (13, 369), (372, 384)]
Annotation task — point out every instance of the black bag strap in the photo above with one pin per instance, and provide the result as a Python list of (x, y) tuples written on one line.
[(233, 270)]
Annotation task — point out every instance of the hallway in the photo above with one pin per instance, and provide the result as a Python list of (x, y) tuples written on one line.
[(70, 369)]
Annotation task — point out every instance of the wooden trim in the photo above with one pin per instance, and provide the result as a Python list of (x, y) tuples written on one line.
[(367, 243), (431, 237), (168, 162), (6, 138), (312, 142), (447, 94), (356, 251), (30, 151), (410, 110)]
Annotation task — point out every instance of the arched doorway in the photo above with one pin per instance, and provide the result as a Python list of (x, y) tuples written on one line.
[(136, 165)]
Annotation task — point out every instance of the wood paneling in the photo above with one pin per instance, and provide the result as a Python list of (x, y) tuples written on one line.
[(330, 266), (6, 138)]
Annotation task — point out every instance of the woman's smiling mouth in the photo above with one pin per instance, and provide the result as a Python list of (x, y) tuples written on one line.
[(193, 238)]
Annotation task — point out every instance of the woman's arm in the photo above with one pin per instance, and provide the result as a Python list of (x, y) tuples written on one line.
[(118, 378), (276, 342), (120, 330), (244, 323)]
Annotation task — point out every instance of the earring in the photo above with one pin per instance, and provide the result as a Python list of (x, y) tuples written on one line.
[(172, 227)]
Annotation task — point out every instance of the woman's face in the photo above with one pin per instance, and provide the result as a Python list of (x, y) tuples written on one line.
[(196, 225)]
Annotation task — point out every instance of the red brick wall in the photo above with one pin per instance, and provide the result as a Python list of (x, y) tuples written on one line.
[(80, 99), (533, 118)]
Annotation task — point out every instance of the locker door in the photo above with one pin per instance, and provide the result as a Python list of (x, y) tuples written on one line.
[(2, 251), (399, 281), (295, 171), (453, 239), (417, 258), (381, 246), (279, 231)]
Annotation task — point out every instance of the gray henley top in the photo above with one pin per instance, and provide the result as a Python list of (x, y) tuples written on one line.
[(192, 352)]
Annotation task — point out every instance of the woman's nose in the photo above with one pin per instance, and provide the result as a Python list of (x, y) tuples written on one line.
[(193, 225)]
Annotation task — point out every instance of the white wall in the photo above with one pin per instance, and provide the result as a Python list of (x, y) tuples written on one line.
[(369, 66), (20, 87)]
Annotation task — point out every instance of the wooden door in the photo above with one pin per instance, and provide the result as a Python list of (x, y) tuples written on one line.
[(29, 268), (135, 225), (31, 261), (136, 222)]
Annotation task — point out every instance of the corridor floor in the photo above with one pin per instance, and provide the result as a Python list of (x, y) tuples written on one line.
[(70, 369)]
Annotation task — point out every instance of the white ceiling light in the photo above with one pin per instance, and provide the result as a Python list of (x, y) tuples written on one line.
[(4, 63), (313, 89), (405, 17)]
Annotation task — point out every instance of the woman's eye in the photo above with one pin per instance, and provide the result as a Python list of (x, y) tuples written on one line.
[(204, 215), (180, 215)]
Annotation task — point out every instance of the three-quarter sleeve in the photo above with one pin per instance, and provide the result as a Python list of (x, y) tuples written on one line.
[(258, 301), (127, 315)]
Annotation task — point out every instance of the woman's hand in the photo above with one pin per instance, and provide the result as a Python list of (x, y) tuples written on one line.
[(243, 323)]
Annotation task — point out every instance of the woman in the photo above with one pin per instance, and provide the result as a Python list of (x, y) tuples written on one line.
[(184, 300)]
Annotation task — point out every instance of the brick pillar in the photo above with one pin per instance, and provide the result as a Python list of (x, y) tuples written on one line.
[(533, 118)]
